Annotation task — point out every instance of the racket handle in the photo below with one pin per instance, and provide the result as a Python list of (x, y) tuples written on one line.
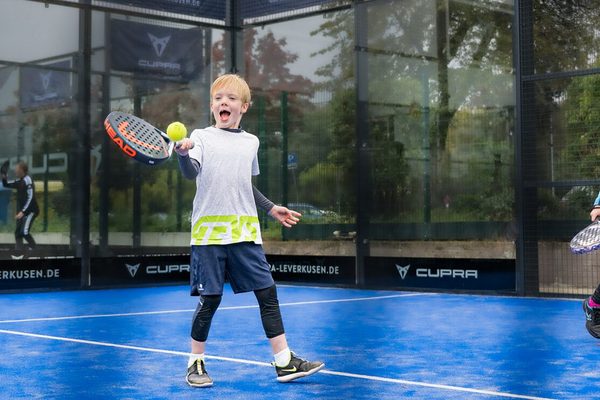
[(178, 145)]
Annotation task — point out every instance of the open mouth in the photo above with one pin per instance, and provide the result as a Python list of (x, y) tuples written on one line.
[(224, 115)]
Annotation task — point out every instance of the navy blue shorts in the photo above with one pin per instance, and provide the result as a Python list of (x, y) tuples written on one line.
[(244, 264)]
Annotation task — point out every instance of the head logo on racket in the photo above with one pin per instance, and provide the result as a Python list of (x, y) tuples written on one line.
[(115, 138)]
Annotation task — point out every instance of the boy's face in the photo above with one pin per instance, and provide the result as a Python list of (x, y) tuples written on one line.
[(19, 172), (227, 108)]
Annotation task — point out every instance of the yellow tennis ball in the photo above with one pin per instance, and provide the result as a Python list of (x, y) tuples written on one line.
[(176, 131)]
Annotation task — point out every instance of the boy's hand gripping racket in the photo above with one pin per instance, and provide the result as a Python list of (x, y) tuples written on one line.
[(138, 139), (587, 240)]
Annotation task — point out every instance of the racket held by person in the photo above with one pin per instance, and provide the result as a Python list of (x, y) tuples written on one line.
[(587, 240), (140, 140)]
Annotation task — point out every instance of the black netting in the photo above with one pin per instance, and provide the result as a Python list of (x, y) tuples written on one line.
[(264, 10), (203, 9), (565, 35), (565, 116), (217, 12)]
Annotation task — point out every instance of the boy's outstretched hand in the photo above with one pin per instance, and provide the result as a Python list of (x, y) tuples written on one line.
[(285, 216), (184, 146)]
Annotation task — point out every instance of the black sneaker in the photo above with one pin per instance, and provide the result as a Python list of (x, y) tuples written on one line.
[(297, 368), (592, 319), (197, 376)]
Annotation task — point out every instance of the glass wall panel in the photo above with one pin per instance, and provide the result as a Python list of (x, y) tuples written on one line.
[(441, 114), (566, 35), (302, 76), (37, 119), (166, 79), (568, 147)]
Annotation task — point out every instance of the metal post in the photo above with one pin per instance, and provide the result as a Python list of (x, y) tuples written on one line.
[(552, 154), (525, 194), (234, 37), (137, 180), (46, 175), (363, 165), (81, 144), (426, 153), (20, 133), (284, 153), (104, 201)]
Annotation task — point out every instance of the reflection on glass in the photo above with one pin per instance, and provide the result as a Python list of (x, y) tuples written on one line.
[(566, 35), (133, 204), (302, 79), (37, 114), (441, 107), (568, 142)]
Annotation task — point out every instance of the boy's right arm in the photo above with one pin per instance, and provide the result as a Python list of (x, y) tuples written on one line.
[(189, 167)]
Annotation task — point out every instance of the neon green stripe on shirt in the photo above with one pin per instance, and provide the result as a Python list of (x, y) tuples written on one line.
[(225, 229)]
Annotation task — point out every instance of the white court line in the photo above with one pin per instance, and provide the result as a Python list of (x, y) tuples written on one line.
[(299, 303), (242, 361)]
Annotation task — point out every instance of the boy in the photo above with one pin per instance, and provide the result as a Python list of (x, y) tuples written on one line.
[(27, 207), (225, 229), (591, 305)]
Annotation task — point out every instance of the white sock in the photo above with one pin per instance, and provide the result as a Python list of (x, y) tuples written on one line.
[(194, 357), (283, 358)]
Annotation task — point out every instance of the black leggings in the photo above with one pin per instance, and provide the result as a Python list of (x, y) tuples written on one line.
[(23, 230), (269, 314)]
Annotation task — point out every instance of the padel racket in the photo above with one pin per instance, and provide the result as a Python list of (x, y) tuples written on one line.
[(588, 239), (138, 139)]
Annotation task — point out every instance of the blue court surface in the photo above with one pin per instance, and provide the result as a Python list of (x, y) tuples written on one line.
[(133, 344)]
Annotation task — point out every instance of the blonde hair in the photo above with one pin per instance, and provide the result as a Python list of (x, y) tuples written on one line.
[(233, 81)]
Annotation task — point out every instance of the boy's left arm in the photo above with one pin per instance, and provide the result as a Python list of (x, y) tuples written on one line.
[(285, 216)]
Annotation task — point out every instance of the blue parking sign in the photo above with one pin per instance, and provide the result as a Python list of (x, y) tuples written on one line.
[(292, 161)]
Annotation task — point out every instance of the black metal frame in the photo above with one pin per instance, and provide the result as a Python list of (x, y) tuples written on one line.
[(525, 182), (234, 26), (80, 198), (363, 149), (525, 195)]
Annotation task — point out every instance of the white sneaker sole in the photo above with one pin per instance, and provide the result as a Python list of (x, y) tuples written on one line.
[(198, 385), (297, 375)]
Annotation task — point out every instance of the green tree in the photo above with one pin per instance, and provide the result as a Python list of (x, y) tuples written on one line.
[(415, 47), (582, 113), (565, 35)]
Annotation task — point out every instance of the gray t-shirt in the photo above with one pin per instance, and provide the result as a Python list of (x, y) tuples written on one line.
[(224, 210)]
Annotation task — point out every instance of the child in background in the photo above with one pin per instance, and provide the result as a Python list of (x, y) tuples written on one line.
[(27, 207)]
